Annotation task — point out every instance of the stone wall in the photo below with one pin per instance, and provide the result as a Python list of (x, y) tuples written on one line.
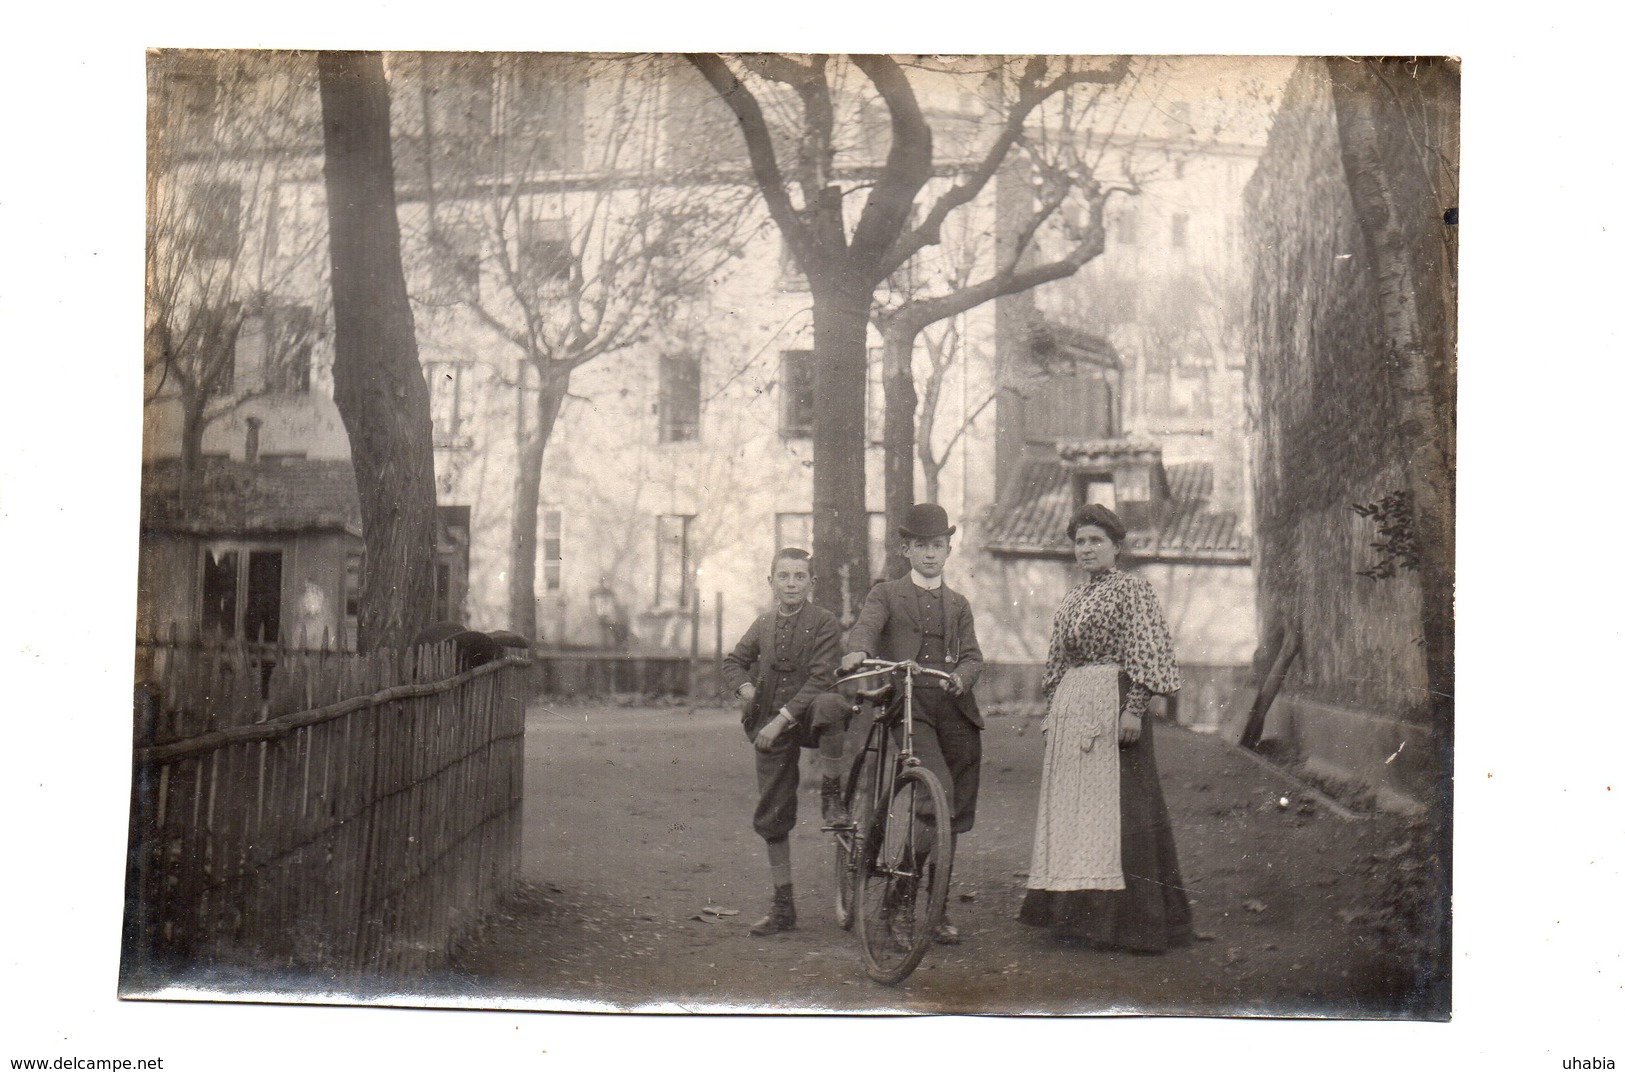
[(1325, 392)]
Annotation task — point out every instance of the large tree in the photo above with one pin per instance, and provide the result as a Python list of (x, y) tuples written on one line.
[(1398, 124), (808, 101), (377, 381), (233, 269), (570, 227)]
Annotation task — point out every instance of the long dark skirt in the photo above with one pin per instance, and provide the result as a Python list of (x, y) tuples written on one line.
[(1151, 913)]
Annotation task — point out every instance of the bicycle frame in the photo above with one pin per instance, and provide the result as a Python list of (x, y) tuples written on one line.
[(880, 763), (881, 744)]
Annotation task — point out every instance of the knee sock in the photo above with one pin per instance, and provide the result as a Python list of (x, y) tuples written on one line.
[(830, 749), (778, 860)]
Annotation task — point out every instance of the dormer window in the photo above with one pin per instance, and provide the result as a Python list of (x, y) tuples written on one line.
[(1096, 488)]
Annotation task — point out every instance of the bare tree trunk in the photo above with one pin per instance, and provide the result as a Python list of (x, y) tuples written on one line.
[(898, 437), (192, 405), (931, 473), (1398, 127), (840, 517), (527, 505), (1394, 166), (378, 383)]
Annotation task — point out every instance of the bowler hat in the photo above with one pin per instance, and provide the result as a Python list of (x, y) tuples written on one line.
[(925, 520)]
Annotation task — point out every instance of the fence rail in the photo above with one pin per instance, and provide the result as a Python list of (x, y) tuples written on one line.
[(317, 812)]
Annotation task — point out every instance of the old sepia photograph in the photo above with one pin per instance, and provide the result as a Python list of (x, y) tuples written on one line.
[(797, 533)]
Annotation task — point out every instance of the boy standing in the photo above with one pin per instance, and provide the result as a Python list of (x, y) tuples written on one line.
[(785, 659), (919, 617)]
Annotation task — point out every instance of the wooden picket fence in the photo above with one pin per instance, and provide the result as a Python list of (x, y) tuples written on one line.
[(318, 814)]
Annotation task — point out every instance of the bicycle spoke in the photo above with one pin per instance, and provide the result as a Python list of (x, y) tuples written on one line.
[(899, 895)]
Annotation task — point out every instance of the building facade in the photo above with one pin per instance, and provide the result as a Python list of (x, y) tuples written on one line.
[(681, 457)]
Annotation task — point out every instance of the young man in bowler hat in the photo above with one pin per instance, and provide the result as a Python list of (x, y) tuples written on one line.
[(919, 617), (785, 659)]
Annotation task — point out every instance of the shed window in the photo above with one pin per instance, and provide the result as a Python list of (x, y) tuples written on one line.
[(242, 593)]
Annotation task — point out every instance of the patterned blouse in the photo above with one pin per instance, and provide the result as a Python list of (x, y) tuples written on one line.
[(1114, 617)]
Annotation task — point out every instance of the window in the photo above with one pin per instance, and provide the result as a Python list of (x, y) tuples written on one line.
[(1179, 228), (454, 264), (1097, 488), (878, 546), (450, 562), (354, 564), (791, 277), (552, 550), (217, 212), (193, 105), (442, 591), (457, 89), (289, 334), (679, 398), (242, 593), (1128, 226), (1072, 405), (796, 393), (792, 530), (450, 384), (219, 372), (671, 561), (1179, 169), (541, 110), (877, 396), (545, 259), (907, 277), (701, 130)]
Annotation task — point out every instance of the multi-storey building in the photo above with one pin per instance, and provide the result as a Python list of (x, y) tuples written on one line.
[(679, 458)]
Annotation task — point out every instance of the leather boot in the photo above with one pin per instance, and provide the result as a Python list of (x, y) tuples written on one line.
[(829, 799), (781, 916)]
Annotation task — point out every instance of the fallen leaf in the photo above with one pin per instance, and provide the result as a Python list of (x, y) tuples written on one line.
[(706, 919), (1254, 905), (967, 897), (716, 910), (1204, 936)]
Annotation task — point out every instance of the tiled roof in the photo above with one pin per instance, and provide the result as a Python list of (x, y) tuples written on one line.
[(1035, 523), (286, 495), (1045, 337)]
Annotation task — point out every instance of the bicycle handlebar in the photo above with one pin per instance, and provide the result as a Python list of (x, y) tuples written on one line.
[(908, 666)]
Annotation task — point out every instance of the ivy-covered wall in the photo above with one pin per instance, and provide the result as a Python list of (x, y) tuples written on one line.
[(1323, 389)]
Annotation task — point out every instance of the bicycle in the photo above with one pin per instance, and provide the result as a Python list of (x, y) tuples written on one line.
[(891, 863)]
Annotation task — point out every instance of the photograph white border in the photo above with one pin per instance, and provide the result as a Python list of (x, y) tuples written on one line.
[(1538, 950)]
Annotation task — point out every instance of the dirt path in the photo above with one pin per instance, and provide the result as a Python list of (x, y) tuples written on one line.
[(637, 820)]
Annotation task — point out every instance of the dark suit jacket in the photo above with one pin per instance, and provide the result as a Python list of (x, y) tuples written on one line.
[(815, 650), (889, 628)]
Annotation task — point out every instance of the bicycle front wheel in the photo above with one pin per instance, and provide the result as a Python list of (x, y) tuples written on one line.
[(858, 799), (902, 875)]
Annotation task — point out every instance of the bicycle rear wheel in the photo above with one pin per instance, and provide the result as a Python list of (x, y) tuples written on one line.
[(902, 876)]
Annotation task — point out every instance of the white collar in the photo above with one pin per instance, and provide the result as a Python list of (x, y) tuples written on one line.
[(930, 584)]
